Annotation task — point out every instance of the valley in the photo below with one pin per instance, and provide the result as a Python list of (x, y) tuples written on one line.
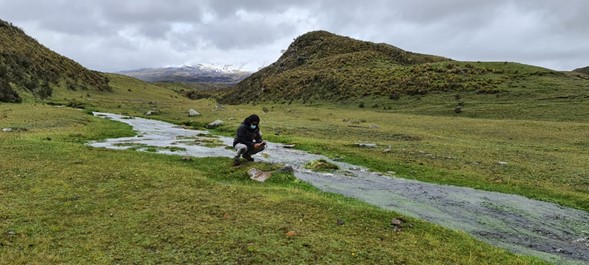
[(499, 127)]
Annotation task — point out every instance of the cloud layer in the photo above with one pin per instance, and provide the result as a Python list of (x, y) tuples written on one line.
[(109, 35)]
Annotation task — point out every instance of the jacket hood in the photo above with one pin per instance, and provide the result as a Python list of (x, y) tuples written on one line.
[(252, 118)]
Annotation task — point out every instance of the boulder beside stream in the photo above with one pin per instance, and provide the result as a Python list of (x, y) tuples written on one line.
[(259, 175), (215, 124)]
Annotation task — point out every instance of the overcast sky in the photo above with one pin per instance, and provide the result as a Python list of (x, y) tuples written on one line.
[(113, 35)]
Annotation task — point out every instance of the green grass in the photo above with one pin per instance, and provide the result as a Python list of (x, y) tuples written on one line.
[(545, 160), (64, 202)]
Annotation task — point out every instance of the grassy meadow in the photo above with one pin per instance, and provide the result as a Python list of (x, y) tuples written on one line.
[(64, 202), (527, 145)]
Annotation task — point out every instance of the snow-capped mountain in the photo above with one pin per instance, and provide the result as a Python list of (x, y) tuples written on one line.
[(190, 73), (227, 68)]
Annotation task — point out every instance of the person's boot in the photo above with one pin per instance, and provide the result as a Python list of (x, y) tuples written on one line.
[(248, 157), (236, 161)]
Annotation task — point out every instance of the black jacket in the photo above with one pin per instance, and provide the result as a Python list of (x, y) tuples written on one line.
[(248, 136)]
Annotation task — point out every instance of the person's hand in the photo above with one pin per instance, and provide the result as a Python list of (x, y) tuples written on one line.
[(257, 146)]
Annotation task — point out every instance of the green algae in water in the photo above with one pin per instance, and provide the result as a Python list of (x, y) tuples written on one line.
[(321, 165)]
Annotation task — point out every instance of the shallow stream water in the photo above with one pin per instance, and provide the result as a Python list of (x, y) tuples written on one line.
[(549, 231)]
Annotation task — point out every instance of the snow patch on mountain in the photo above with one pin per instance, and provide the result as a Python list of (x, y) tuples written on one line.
[(226, 68), (201, 72)]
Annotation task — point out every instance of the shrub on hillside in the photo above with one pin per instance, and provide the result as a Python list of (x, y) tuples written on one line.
[(7, 94)]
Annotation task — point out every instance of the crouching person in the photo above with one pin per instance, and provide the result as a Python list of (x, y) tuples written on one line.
[(248, 140)]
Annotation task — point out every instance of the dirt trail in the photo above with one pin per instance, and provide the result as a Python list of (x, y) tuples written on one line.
[(549, 231)]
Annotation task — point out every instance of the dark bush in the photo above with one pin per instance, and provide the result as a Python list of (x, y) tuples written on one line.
[(395, 96), (7, 94), (44, 91)]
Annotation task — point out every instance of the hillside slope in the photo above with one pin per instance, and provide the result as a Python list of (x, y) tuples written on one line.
[(584, 70), (29, 68), (321, 66)]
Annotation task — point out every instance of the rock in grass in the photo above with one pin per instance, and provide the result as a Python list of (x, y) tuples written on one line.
[(219, 107), (397, 224), (259, 175), (367, 145), (215, 124), (286, 169), (153, 111), (7, 129), (192, 113)]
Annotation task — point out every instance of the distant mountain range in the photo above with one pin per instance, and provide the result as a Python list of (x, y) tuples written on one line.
[(209, 73)]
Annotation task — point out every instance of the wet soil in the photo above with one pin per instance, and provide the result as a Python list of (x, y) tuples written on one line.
[(546, 230)]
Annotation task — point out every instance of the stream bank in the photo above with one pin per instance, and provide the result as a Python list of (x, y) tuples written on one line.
[(546, 230)]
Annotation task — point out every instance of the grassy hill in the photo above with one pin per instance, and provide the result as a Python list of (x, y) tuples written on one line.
[(30, 72), (198, 90), (28, 69), (320, 66)]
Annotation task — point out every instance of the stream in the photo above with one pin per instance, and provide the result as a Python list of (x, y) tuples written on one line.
[(554, 233)]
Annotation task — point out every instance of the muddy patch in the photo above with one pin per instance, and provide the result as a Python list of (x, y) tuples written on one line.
[(549, 231)]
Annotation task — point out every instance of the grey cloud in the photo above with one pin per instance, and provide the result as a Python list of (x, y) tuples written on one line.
[(561, 17), (246, 35), (50, 15), (552, 33), (233, 32), (142, 11), (229, 7), (155, 30)]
